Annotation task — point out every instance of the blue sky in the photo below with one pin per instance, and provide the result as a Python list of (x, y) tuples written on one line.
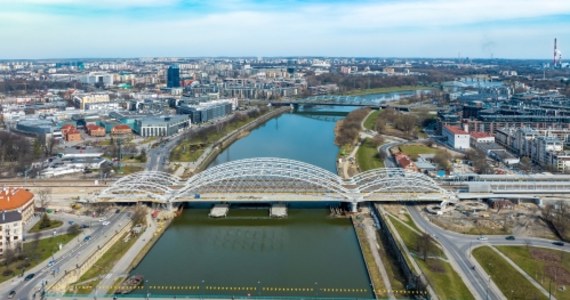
[(382, 28)]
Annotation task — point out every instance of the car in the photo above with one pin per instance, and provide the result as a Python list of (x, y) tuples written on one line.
[(102, 219), (510, 238), (558, 243), (482, 238), (11, 294), (29, 277), (106, 223), (70, 222), (83, 226), (87, 238)]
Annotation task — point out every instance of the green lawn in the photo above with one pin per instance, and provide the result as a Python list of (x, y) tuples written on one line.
[(441, 276), (511, 283), (105, 263), (370, 122), (444, 280), (45, 248), (191, 149), (413, 150), (410, 238), (361, 92), (546, 266), (410, 222), (53, 224), (367, 156)]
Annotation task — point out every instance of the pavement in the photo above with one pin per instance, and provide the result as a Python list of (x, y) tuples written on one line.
[(121, 268), (67, 258), (458, 247)]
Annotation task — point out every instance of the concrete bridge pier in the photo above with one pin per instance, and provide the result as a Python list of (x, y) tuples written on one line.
[(354, 206)]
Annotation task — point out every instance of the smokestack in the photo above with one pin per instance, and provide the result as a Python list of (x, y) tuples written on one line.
[(555, 52)]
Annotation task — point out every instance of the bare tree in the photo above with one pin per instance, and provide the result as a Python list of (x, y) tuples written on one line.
[(425, 245), (139, 215), (43, 199)]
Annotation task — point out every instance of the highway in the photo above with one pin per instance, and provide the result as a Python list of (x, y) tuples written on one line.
[(459, 247), (75, 252)]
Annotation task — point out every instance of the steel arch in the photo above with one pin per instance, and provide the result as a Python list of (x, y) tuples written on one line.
[(155, 185), (258, 173), (275, 175)]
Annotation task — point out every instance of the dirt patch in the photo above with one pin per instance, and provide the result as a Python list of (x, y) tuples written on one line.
[(549, 257), (558, 273)]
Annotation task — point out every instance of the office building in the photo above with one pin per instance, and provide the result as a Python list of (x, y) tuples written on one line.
[(161, 126), (173, 77)]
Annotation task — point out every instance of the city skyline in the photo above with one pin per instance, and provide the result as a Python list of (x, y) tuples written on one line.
[(150, 28)]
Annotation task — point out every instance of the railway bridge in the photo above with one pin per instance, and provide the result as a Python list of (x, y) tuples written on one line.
[(268, 179)]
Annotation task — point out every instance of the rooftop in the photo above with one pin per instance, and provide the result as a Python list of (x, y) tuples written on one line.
[(14, 198), (455, 130)]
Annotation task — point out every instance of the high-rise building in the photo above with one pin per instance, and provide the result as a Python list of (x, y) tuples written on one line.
[(173, 77)]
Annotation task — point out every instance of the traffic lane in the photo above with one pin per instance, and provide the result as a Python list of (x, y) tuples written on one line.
[(468, 237), (28, 288)]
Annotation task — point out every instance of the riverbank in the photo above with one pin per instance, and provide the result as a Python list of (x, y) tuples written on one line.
[(210, 152), (393, 89)]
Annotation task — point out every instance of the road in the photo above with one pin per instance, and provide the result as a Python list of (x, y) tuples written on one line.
[(73, 253), (389, 161), (459, 248)]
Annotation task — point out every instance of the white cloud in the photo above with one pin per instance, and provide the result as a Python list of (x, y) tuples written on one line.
[(401, 28)]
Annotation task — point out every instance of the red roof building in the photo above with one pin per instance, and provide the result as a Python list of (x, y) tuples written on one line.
[(405, 162), (121, 130)]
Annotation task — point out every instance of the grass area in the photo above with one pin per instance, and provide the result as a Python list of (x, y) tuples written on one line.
[(367, 249), (53, 224), (413, 150), (444, 280), (395, 274), (45, 248), (105, 263), (128, 169), (361, 92), (367, 156), (408, 220), (370, 122), (550, 268), (410, 238), (191, 149), (511, 283)]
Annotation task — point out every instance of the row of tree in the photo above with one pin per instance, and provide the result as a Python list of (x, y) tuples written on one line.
[(349, 128), (17, 153)]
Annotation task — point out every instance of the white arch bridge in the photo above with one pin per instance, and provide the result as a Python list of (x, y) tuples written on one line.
[(259, 180)]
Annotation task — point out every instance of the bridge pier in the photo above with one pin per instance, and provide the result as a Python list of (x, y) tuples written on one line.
[(354, 207)]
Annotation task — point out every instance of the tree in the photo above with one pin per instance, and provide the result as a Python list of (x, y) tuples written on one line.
[(425, 245), (525, 163), (43, 199), (442, 158), (377, 140), (380, 125), (74, 229), (139, 215), (9, 256), (45, 221)]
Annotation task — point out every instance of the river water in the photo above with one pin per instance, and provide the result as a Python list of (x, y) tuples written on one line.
[(307, 254)]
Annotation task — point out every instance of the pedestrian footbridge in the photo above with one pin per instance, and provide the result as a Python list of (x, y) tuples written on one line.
[(270, 179)]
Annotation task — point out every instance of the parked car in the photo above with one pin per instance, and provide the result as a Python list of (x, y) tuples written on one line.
[(558, 243), (510, 238)]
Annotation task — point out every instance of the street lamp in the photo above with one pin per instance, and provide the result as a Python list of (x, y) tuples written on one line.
[(147, 293), (317, 289)]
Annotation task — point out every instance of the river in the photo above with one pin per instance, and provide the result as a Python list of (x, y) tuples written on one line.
[(308, 254)]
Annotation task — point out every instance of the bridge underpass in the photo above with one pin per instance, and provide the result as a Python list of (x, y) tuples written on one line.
[(262, 180)]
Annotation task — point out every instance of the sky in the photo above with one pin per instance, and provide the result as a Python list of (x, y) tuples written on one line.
[(32, 29)]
